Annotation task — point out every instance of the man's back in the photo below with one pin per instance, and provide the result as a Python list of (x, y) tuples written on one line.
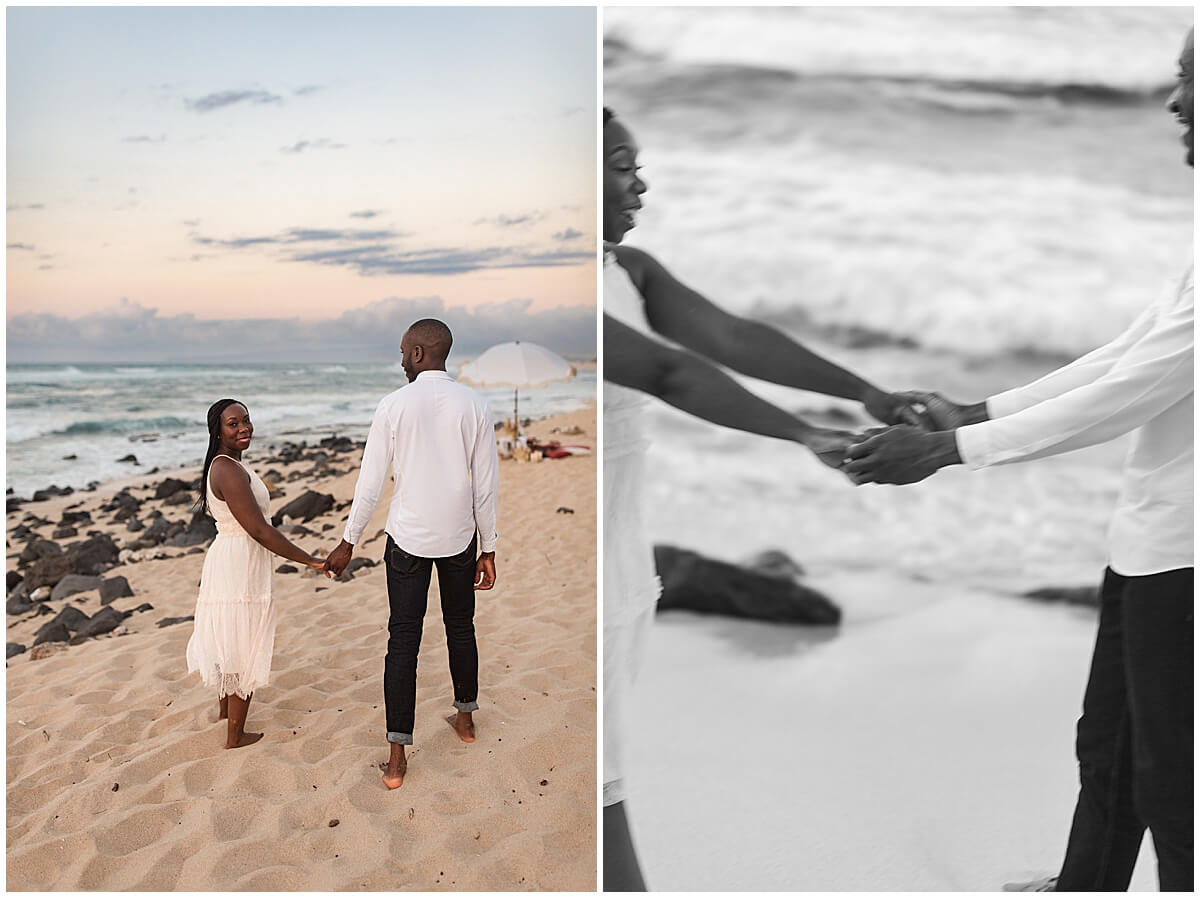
[(438, 436)]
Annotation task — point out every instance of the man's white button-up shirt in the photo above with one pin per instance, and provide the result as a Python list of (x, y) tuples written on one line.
[(437, 437), (1142, 381)]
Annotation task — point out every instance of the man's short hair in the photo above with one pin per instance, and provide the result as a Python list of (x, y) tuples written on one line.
[(434, 336)]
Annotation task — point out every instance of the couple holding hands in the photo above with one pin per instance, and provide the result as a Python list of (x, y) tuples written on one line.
[(1135, 737), (435, 437)]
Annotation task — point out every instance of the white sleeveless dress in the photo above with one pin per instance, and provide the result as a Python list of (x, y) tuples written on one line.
[(234, 632), (631, 584)]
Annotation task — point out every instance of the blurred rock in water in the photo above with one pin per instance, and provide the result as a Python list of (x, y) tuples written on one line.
[(766, 590), (1070, 595)]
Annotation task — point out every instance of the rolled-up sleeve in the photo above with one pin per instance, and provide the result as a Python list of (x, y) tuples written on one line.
[(1102, 399), (372, 474), (485, 482)]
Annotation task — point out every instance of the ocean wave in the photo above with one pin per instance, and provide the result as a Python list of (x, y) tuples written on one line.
[(1073, 53), (131, 425)]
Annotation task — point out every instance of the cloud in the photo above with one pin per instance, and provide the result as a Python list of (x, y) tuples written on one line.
[(525, 219), (221, 99), (143, 138), (568, 234), (27, 246), (132, 332), (14, 207), (365, 213), (376, 252), (307, 90), (323, 143), (298, 235)]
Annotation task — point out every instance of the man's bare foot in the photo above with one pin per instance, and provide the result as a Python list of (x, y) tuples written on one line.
[(223, 708), (463, 725), (397, 766), (244, 740)]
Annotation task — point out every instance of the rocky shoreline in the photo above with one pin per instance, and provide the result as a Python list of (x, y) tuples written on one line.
[(63, 542)]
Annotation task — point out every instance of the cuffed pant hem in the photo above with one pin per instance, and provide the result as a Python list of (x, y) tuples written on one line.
[(399, 738), (467, 706)]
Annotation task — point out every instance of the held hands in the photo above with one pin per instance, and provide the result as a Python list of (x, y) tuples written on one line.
[(901, 454), (894, 408), (318, 565), (830, 446), (942, 413), (338, 559)]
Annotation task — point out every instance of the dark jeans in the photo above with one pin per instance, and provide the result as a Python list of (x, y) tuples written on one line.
[(408, 589), (1134, 740)]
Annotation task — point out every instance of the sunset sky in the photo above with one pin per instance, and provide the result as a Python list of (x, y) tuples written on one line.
[(172, 168)]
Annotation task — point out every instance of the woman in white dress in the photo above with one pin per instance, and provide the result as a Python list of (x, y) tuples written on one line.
[(234, 632), (651, 321)]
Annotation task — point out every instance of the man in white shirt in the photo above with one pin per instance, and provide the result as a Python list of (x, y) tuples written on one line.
[(437, 438), (1135, 738)]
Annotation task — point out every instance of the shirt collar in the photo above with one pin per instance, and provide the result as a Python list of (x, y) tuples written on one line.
[(434, 375)]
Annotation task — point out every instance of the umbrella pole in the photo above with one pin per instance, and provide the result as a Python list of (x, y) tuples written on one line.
[(516, 420)]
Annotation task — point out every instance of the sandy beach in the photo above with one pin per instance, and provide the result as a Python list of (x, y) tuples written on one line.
[(117, 776), (924, 745)]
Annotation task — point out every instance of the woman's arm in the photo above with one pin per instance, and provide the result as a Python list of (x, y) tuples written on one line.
[(750, 347), (231, 484), (693, 385)]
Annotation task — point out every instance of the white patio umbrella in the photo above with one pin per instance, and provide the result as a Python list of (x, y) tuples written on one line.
[(516, 365)]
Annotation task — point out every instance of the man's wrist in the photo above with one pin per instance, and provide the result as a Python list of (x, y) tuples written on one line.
[(975, 414)]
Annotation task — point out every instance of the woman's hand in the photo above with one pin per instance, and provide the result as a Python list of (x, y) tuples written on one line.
[(894, 408), (830, 445), (318, 565), (943, 413)]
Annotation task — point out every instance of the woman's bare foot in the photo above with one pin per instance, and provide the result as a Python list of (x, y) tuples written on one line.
[(245, 739), (235, 732), (397, 766), (463, 725)]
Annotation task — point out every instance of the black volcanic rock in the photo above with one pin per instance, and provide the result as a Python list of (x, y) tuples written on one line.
[(71, 617), (1069, 595), (52, 631), (199, 530), (94, 555), (692, 582), (37, 549), (11, 579), (169, 487), (304, 508), (12, 649), (170, 621), (122, 500), (50, 492), (47, 571), (18, 604), (114, 588), (104, 621), (358, 563), (72, 584)]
